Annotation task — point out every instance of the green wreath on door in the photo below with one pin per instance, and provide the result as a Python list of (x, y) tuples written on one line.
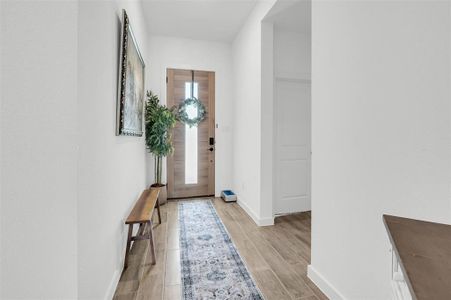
[(185, 109)]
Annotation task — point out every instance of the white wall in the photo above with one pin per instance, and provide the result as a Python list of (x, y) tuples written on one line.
[(111, 169), (169, 52), (267, 189), (1, 182), (381, 133), (67, 181), (39, 150), (247, 84)]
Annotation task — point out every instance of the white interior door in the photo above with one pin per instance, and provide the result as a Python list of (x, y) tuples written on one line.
[(292, 146)]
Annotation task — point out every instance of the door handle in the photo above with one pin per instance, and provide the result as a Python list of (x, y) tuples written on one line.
[(211, 149)]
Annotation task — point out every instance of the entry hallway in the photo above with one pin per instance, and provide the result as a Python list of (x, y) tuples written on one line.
[(277, 256)]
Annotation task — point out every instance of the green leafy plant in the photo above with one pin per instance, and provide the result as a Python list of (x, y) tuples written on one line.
[(159, 122)]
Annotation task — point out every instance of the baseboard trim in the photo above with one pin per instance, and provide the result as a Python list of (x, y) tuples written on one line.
[(257, 220), (266, 222), (113, 284), (328, 289)]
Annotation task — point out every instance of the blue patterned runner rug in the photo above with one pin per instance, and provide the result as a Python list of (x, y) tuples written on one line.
[(211, 266)]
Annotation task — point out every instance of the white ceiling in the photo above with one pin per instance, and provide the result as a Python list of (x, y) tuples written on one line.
[(292, 15), (213, 20)]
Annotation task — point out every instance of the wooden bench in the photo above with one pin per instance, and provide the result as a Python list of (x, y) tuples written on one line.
[(142, 214)]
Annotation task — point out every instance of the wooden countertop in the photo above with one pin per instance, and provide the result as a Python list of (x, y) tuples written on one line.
[(424, 252)]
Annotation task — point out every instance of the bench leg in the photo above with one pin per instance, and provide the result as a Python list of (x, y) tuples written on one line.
[(141, 229), (151, 244), (129, 241), (158, 208)]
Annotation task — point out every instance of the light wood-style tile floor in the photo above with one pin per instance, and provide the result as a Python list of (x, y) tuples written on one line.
[(277, 256)]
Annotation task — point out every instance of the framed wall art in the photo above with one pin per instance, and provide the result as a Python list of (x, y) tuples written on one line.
[(130, 102)]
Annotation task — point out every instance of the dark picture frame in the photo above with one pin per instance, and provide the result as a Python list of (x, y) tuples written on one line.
[(130, 100)]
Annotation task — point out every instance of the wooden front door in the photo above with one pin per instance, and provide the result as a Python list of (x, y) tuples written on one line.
[(191, 169)]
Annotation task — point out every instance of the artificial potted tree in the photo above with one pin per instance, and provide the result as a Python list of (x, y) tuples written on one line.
[(159, 122)]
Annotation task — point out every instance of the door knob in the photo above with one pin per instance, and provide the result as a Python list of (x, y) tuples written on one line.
[(211, 149)]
